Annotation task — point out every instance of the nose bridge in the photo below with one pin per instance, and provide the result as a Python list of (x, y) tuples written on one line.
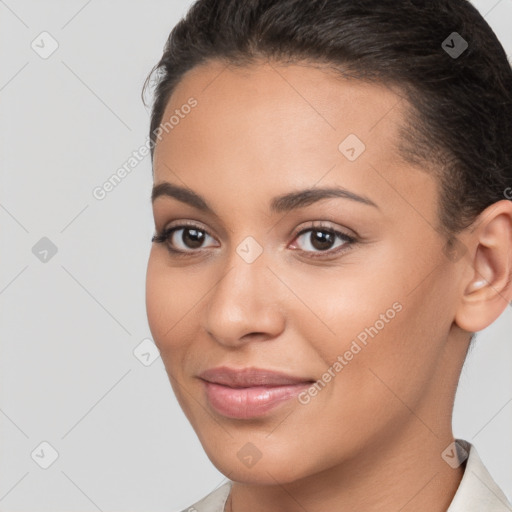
[(243, 301), (246, 271)]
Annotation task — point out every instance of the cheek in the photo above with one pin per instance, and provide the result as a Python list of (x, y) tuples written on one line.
[(384, 332), (389, 356), (339, 303), (157, 302), (169, 308), (169, 303), (357, 392)]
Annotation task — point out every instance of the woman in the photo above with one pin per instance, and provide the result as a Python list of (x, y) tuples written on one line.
[(331, 183)]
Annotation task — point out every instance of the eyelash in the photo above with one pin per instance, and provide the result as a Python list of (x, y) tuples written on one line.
[(166, 234)]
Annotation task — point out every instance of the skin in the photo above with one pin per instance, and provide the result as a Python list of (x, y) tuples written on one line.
[(372, 438)]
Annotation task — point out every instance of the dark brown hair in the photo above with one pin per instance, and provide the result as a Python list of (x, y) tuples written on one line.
[(459, 122)]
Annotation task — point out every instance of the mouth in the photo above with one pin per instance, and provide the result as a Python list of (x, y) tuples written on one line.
[(249, 392), (250, 377)]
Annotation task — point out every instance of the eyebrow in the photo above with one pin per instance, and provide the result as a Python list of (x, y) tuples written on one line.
[(279, 204)]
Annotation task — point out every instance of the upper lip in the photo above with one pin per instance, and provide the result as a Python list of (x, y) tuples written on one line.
[(248, 377)]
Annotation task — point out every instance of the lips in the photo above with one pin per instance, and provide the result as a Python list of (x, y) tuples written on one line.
[(249, 392), (250, 377)]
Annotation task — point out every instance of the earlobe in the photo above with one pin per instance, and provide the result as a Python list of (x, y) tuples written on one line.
[(489, 287)]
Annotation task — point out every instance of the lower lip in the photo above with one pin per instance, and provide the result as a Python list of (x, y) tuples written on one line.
[(245, 403)]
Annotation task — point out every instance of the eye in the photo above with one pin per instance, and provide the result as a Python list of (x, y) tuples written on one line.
[(185, 238), (320, 240)]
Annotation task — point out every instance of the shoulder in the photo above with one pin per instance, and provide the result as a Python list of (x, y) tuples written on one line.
[(477, 490), (212, 502)]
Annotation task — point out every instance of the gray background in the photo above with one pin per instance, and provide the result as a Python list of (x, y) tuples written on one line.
[(69, 325)]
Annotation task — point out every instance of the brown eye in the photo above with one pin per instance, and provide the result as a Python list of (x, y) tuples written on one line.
[(191, 238), (321, 240), (318, 240), (183, 239)]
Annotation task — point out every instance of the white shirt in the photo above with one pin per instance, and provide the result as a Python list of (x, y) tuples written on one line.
[(477, 491)]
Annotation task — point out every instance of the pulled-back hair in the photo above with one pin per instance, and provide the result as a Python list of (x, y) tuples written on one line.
[(459, 115)]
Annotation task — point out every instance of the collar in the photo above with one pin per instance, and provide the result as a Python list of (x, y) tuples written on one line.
[(477, 491)]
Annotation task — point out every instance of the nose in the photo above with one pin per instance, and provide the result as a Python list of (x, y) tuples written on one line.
[(244, 305)]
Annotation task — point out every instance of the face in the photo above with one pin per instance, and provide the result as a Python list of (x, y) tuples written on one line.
[(349, 289)]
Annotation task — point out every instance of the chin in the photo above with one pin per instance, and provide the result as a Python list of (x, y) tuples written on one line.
[(241, 461)]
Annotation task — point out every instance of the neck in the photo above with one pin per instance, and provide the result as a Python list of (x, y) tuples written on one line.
[(406, 473)]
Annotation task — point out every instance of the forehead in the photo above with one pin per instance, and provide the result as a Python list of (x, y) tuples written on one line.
[(271, 126), (301, 102)]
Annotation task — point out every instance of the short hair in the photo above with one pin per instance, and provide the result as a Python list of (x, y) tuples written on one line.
[(459, 107)]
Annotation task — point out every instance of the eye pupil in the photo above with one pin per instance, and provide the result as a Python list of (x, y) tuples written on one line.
[(193, 238), (322, 240)]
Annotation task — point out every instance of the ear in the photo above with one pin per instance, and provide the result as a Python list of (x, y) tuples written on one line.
[(488, 280)]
